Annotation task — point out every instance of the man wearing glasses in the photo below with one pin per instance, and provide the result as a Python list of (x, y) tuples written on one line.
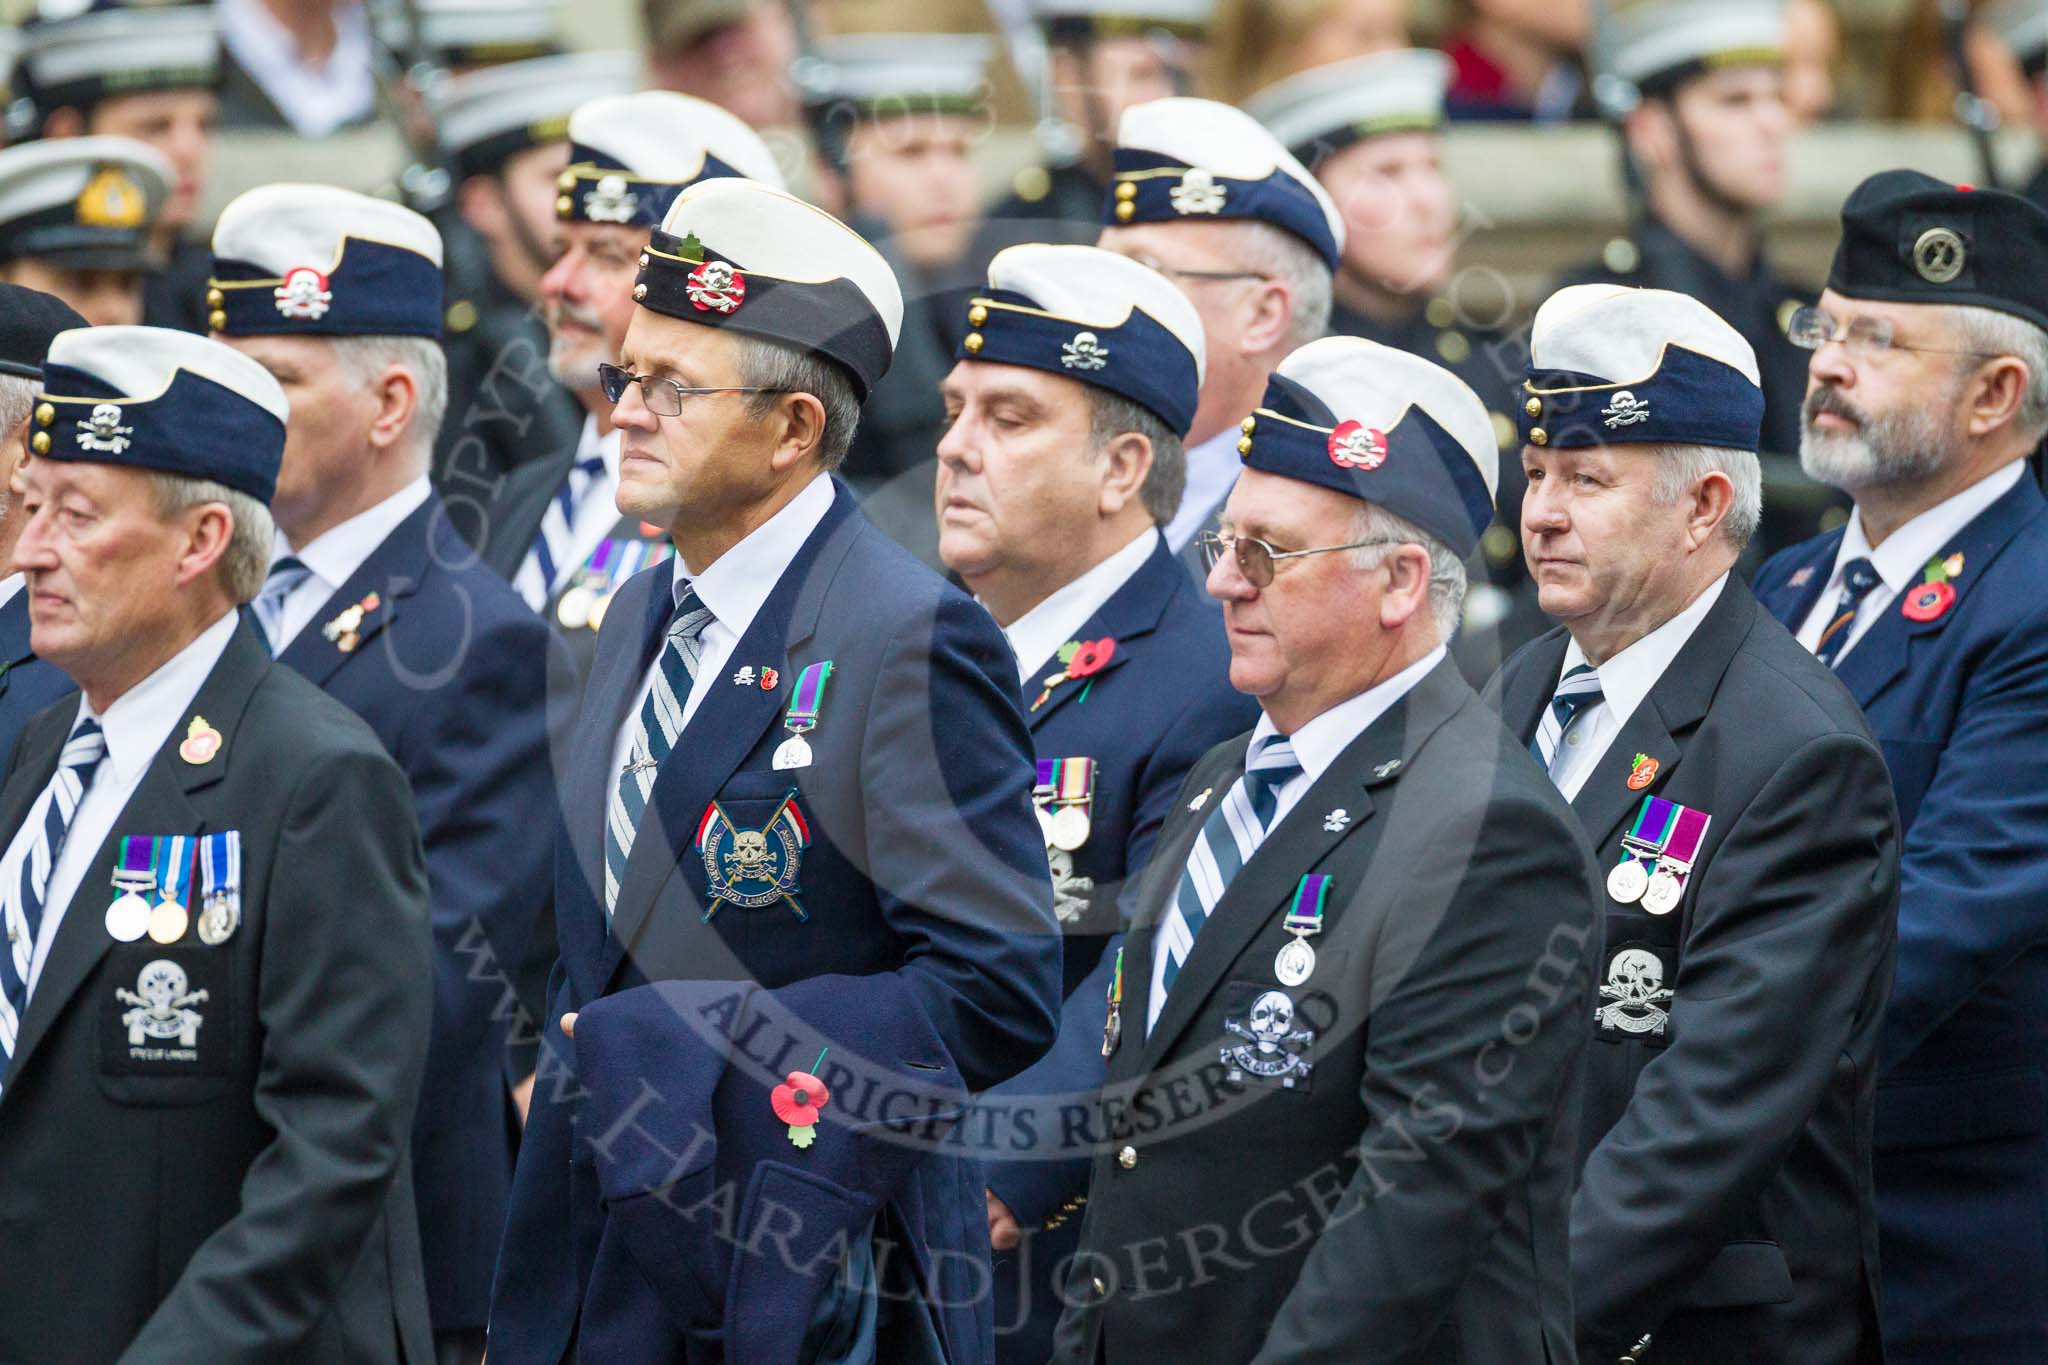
[(1337, 1122), (1212, 201), (1749, 848), (1929, 389), (801, 895), (1076, 375)]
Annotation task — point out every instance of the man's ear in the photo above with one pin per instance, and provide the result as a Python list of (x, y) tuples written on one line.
[(802, 436), (1126, 465)]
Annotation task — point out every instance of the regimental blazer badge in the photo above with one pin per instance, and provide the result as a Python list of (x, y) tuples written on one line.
[(753, 868), (1638, 1000)]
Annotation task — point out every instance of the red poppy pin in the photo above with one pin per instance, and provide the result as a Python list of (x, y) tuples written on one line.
[(1642, 773), (1083, 659), (1932, 598), (1354, 445), (797, 1102)]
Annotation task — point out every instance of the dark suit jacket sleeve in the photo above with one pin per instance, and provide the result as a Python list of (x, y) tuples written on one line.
[(343, 1006), (956, 856), (1456, 1114), (476, 751), (1794, 918), (1971, 881)]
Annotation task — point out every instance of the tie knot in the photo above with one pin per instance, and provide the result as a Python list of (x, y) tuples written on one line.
[(690, 618), (285, 574), (590, 465), (1271, 763), (86, 747), (1859, 576), (1578, 689)]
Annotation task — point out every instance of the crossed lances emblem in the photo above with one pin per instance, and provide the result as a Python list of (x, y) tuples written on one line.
[(162, 1006)]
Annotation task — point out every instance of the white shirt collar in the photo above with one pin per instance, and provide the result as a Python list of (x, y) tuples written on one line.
[(1318, 742), (1902, 559), (314, 98), (1628, 677), (736, 585), (11, 585), (143, 717), (1212, 473), (1036, 634), (336, 553)]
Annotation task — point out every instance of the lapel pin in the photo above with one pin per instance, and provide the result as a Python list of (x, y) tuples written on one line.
[(797, 1102), (342, 630), (1201, 798), (1386, 770), (745, 677), (1642, 772), (1932, 598), (769, 678), (202, 742), (1336, 820), (1801, 578), (1953, 565)]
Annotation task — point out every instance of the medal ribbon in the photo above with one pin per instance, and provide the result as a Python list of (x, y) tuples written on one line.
[(1654, 822), (810, 691), (1116, 980), (173, 867), (1684, 843), (220, 865), (1305, 917), (1047, 769), (137, 869), (1076, 782), (596, 568)]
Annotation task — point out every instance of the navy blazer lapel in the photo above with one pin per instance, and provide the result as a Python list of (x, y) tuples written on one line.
[(14, 637), (1302, 840), (727, 724), (1792, 601), (1876, 660), (161, 804), (1534, 682), (1133, 610), (392, 571)]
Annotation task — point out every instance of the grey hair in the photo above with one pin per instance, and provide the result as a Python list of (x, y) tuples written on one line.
[(1279, 252), (771, 365), (17, 399), (246, 562), (1110, 415), (364, 358), (1997, 334), (1446, 571), (1680, 467)]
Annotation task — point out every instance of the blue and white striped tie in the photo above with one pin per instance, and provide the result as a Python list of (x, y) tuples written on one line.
[(1231, 834), (541, 571), (1578, 692), (284, 576), (22, 903), (654, 734)]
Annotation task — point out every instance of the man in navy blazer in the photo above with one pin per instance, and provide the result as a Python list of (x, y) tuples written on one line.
[(1928, 390), (376, 599), (800, 762), (1077, 375), (28, 321)]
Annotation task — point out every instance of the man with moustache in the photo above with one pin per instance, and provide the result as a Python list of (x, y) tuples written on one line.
[(1724, 1208), (28, 322), (1077, 372), (1929, 390), (1339, 1111), (554, 529)]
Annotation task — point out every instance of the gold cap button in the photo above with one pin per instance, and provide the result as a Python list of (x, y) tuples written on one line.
[(40, 443), (1127, 1158), (1538, 436), (977, 315), (215, 299), (566, 180), (217, 320), (1125, 211), (1244, 445), (1250, 425), (973, 343), (563, 205), (1126, 191), (1534, 407), (639, 292), (45, 414)]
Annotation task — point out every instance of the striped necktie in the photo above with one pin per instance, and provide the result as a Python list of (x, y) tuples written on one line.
[(554, 546), (1577, 693), (285, 575), (1859, 576), (1229, 837), (654, 734), (21, 903)]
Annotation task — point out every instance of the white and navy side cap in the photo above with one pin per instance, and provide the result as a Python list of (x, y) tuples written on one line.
[(76, 53), (314, 260), (2022, 25), (879, 75), (1191, 160), (154, 398), (631, 155), (1381, 425), (484, 118), (1095, 316), (1656, 45), (1327, 108), (1609, 364), (473, 33), (85, 202), (737, 254), (1124, 18)]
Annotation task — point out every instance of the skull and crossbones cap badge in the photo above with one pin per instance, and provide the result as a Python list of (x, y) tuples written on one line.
[(314, 260)]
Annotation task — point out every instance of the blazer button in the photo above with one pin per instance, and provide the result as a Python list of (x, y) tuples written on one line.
[(1101, 1289), (1127, 1158)]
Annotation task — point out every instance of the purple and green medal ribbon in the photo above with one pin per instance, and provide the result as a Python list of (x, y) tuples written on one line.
[(173, 858), (810, 691), (1652, 829), (136, 871), (1305, 916), (596, 570), (1048, 770)]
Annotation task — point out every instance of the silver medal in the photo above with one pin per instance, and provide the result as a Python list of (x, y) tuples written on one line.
[(1661, 896), (1295, 963), (128, 918), (219, 920), (1627, 882), (1044, 823), (1069, 827), (794, 752)]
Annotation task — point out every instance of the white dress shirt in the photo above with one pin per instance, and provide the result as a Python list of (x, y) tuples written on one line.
[(733, 588), (11, 585), (1902, 560), (315, 99), (1316, 746), (597, 510), (137, 725), (335, 554), (1625, 680), (1036, 634), (1212, 472)]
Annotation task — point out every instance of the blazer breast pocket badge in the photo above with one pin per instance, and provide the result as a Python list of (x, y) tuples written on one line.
[(1269, 1038), (753, 868), (1635, 1000), (181, 982)]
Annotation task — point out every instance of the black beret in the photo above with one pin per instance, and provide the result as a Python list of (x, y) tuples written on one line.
[(28, 319), (1909, 238)]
